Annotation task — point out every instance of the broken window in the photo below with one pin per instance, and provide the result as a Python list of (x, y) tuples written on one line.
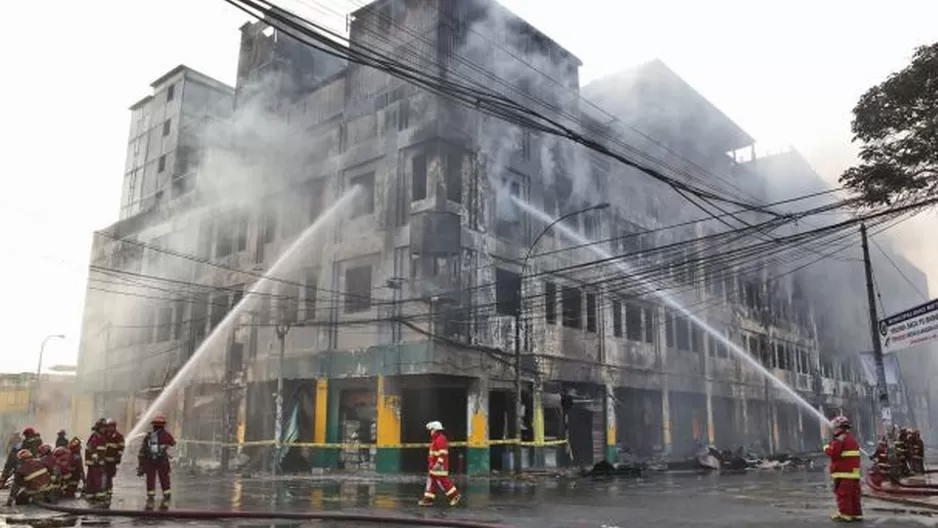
[(223, 240), (572, 301), (633, 322), (170, 92), (164, 323), (161, 163), (753, 347), (454, 177), (312, 282), (269, 227), (669, 328), (418, 178), (649, 324), (682, 330), (617, 318), (697, 339), (358, 289), (365, 196), (167, 127), (219, 307), (204, 241), (508, 217), (507, 288), (590, 312), (550, 302)]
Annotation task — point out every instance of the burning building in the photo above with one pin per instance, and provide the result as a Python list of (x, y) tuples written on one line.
[(369, 245)]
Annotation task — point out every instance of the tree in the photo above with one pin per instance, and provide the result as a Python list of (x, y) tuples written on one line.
[(897, 123)]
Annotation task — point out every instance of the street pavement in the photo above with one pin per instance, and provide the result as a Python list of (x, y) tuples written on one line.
[(756, 498)]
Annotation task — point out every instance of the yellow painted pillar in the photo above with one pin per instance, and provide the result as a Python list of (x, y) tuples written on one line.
[(388, 458), (477, 453)]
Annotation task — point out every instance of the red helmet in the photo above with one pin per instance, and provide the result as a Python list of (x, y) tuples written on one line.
[(45, 449), (159, 419), (29, 431), (24, 454), (840, 422), (74, 444), (60, 452)]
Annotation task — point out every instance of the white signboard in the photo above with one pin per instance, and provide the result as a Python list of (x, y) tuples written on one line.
[(910, 328)]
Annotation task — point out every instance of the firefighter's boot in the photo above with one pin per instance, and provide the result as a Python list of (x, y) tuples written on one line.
[(164, 502), (151, 502)]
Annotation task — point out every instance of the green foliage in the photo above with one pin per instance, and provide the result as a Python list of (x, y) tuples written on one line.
[(897, 123)]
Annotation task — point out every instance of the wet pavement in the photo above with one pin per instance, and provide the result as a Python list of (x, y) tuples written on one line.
[(755, 498)]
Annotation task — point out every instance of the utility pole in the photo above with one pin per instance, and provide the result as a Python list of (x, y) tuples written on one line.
[(768, 351), (874, 334), (282, 328)]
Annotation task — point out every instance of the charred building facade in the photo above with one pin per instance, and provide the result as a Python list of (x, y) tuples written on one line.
[(416, 216)]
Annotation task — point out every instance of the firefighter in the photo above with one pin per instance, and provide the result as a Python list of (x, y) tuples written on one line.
[(95, 478), (60, 440), (32, 440), (31, 480), (844, 452), (902, 452), (113, 455), (880, 458), (11, 462), (438, 468), (63, 468), (916, 452), (153, 462), (76, 468), (48, 460)]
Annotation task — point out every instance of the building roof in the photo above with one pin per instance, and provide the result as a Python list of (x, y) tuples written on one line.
[(654, 94), (190, 71), (141, 102)]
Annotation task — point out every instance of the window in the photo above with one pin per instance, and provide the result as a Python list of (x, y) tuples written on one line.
[(590, 312), (164, 323), (507, 287), (572, 300), (365, 198), (167, 127), (633, 322), (782, 356), (682, 329), (358, 289), (753, 347), (669, 329), (223, 240), (170, 92), (617, 318), (312, 281), (697, 339), (454, 177), (650, 330), (525, 145), (219, 308), (403, 113), (550, 302), (161, 163), (418, 178), (179, 315), (269, 227)]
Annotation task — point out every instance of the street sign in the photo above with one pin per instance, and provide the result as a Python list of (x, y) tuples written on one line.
[(912, 327)]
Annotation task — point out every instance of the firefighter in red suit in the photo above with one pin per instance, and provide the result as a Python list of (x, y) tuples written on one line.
[(438, 468), (844, 452), (153, 460), (113, 455), (76, 468), (31, 480), (96, 477), (63, 468)]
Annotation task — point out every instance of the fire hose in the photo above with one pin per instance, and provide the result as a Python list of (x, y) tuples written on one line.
[(206, 515)]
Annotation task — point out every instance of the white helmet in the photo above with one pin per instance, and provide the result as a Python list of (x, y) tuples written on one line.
[(434, 426)]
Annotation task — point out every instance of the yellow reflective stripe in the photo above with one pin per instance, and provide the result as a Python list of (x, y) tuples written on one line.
[(439, 472), (850, 454), (35, 474), (845, 475), (440, 452)]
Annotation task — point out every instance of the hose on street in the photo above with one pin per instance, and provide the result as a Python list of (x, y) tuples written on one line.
[(209, 515)]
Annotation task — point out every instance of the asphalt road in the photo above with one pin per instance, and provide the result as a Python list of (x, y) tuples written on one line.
[(763, 499)]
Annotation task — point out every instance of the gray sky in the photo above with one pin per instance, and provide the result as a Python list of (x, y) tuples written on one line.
[(788, 72)]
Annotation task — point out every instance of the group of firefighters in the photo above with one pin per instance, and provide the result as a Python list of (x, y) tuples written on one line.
[(41, 473), (908, 459)]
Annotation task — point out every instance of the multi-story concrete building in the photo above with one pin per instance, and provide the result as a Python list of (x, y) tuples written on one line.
[(401, 307)]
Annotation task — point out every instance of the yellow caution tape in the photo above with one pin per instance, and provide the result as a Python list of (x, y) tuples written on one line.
[(348, 445)]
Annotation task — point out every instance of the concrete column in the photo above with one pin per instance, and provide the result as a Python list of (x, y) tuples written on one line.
[(477, 452), (611, 452), (661, 347), (708, 388), (388, 459), (326, 429), (773, 414), (744, 413), (801, 441)]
